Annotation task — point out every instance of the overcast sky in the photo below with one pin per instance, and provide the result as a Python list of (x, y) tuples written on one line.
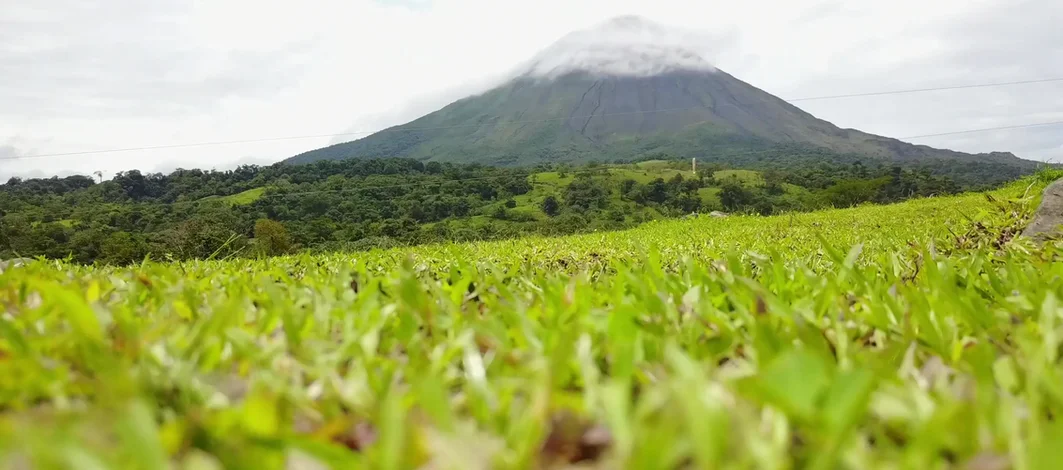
[(85, 76)]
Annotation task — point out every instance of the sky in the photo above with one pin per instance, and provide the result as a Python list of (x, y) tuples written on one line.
[(92, 76)]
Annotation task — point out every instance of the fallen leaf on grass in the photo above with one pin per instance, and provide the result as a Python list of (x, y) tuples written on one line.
[(574, 440)]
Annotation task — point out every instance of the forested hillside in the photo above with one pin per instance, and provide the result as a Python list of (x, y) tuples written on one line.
[(362, 204)]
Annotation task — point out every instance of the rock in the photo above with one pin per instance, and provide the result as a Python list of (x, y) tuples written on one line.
[(717, 214), (14, 263), (988, 461), (1049, 216)]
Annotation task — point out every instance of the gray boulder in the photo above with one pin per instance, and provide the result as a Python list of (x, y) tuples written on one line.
[(717, 214), (1048, 219), (14, 263)]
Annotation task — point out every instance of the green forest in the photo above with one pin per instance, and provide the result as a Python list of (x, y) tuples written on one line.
[(351, 205)]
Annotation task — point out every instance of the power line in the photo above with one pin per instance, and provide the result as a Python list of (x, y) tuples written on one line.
[(921, 90), (985, 129), (413, 129)]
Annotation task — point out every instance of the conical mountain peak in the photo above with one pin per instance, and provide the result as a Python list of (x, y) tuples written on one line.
[(624, 46), (629, 88)]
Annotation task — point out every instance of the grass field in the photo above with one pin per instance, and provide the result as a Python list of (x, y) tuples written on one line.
[(915, 335), (745, 176), (239, 199)]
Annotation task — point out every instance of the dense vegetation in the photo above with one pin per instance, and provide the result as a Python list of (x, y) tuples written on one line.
[(915, 335), (360, 204)]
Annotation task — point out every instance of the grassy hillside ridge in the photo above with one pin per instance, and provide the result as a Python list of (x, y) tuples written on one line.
[(845, 338)]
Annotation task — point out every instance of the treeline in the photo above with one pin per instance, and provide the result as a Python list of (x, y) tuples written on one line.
[(837, 186), (769, 192), (198, 214), (361, 204), (975, 174)]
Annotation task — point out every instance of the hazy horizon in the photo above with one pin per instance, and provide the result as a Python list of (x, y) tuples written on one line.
[(193, 76)]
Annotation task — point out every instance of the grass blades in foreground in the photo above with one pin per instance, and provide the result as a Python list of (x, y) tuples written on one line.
[(916, 335)]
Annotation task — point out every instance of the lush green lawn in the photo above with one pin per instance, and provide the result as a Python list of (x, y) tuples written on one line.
[(903, 336)]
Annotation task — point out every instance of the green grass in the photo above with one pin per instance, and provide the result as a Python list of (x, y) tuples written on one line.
[(914, 335), (246, 197), (554, 178), (649, 164), (644, 176), (660, 165), (747, 177), (239, 199), (710, 197)]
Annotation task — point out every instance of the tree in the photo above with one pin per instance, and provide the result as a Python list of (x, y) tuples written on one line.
[(851, 192), (550, 206), (676, 181), (272, 237), (121, 248), (734, 196), (657, 191), (499, 213), (688, 203), (586, 193), (773, 182)]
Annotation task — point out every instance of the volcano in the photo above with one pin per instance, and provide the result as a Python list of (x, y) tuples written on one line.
[(628, 89)]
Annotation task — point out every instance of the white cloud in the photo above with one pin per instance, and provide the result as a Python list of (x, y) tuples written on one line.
[(125, 73), (624, 46)]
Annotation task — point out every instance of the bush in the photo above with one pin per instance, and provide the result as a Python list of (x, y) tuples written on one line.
[(271, 237), (550, 206), (499, 213)]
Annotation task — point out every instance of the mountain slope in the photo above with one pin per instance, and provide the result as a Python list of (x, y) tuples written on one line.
[(613, 94)]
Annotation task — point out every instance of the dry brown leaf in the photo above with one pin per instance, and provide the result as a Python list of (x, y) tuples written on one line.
[(574, 440)]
